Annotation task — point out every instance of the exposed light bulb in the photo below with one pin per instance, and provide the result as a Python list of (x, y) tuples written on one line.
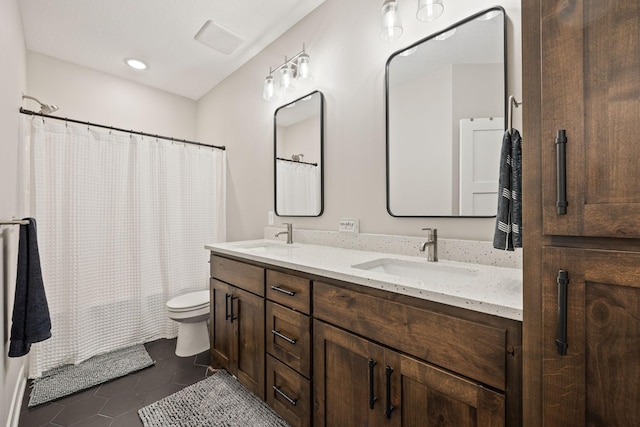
[(390, 26), (304, 68), (428, 10), (269, 88)]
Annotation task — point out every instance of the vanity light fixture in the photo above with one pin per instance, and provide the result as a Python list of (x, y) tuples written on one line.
[(136, 64), (390, 26), (428, 10), (297, 68)]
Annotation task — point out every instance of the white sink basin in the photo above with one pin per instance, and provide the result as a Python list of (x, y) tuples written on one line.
[(426, 272)]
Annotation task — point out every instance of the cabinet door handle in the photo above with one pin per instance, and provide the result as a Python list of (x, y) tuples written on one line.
[(561, 160), (561, 340), (287, 398), (372, 398), (284, 337), (282, 290), (390, 407), (231, 316), (226, 306)]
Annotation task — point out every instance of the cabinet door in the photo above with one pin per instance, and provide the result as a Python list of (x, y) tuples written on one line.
[(221, 332), (433, 397), (596, 382), (248, 320), (349, 380), (590, 87)]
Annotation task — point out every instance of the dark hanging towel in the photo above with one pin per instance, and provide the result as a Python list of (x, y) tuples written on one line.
[(508, 232), (30, 322)]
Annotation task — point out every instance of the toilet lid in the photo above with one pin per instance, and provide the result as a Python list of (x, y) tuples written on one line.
[(191, 300)]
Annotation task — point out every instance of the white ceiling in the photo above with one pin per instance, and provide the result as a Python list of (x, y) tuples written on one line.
[(100, 34)]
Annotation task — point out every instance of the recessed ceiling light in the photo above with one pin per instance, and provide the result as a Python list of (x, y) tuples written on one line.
[(135, 64)]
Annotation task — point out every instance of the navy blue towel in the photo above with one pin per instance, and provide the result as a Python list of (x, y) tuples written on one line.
[(30, 322), (508, 231)]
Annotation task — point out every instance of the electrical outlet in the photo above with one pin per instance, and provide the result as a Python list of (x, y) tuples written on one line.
[(349, 225), (272, 217)]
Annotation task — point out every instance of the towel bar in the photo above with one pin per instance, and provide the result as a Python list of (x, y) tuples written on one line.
[(14, 222)]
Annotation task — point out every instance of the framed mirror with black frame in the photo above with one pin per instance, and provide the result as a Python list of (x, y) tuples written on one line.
[(445, 119), (298, 157)]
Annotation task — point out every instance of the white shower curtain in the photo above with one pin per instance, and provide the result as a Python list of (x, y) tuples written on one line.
[(298, 191), (122, 223)]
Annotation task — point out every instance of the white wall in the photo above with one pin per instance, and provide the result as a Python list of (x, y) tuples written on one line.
[(348, 61), (12, 83), (85, 94)]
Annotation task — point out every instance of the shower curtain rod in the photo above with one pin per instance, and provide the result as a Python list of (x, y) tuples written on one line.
[(33, 113), (296, 161)]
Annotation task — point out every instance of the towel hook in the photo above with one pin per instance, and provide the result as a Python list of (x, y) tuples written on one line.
[(512, 103)]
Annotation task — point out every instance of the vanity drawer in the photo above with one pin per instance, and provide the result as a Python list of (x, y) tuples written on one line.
[(289, 337), (472, 349), (241, 275), (288, 393), (290, 291)]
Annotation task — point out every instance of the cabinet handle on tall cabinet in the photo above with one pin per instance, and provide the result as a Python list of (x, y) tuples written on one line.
[(561, 340), (390, 407), (561, 159), (226, 306), (372, 398)]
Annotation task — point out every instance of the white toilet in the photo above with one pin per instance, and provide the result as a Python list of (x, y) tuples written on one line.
[(191, 311)]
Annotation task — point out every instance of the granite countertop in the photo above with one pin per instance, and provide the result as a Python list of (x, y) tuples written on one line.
[(483, 288)]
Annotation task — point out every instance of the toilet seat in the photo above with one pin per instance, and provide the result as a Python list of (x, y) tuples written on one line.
[(189, 302)]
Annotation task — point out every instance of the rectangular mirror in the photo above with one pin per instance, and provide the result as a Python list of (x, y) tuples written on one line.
[(445, 117), (298, 142)]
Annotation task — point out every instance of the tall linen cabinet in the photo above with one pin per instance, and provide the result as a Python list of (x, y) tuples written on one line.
[(581, 197)]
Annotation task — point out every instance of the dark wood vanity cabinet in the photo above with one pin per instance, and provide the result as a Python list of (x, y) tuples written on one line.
[(237, 321), (581, 62), (381, 359), (340, 354)]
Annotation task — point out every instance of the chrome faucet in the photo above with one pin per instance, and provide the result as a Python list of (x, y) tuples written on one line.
[(432, 244), (289, 232)]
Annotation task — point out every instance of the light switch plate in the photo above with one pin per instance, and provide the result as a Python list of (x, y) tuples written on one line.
[(349, 225)]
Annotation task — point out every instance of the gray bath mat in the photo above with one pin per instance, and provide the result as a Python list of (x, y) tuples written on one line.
[(217, 401), (69, 379)]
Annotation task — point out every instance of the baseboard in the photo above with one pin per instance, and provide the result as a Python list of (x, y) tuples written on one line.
[(16, 401)]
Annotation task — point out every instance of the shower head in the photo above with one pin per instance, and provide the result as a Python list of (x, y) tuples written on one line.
[(44, 108)]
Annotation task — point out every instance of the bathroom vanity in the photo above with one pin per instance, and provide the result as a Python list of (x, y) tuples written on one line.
[(330, 336)]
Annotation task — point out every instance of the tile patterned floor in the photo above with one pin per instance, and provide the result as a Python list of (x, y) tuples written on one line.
[(116, 403)]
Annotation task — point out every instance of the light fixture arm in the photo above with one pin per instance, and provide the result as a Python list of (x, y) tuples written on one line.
[(286, 62)]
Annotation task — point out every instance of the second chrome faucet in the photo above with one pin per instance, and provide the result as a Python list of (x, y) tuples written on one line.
[(431, 243), (289, 232)]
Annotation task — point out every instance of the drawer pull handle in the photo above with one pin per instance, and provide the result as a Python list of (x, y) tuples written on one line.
[(226, 306), (284, 291), (561, 340), (372, 398), (284, 337), (390, 407), (281, 393)]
